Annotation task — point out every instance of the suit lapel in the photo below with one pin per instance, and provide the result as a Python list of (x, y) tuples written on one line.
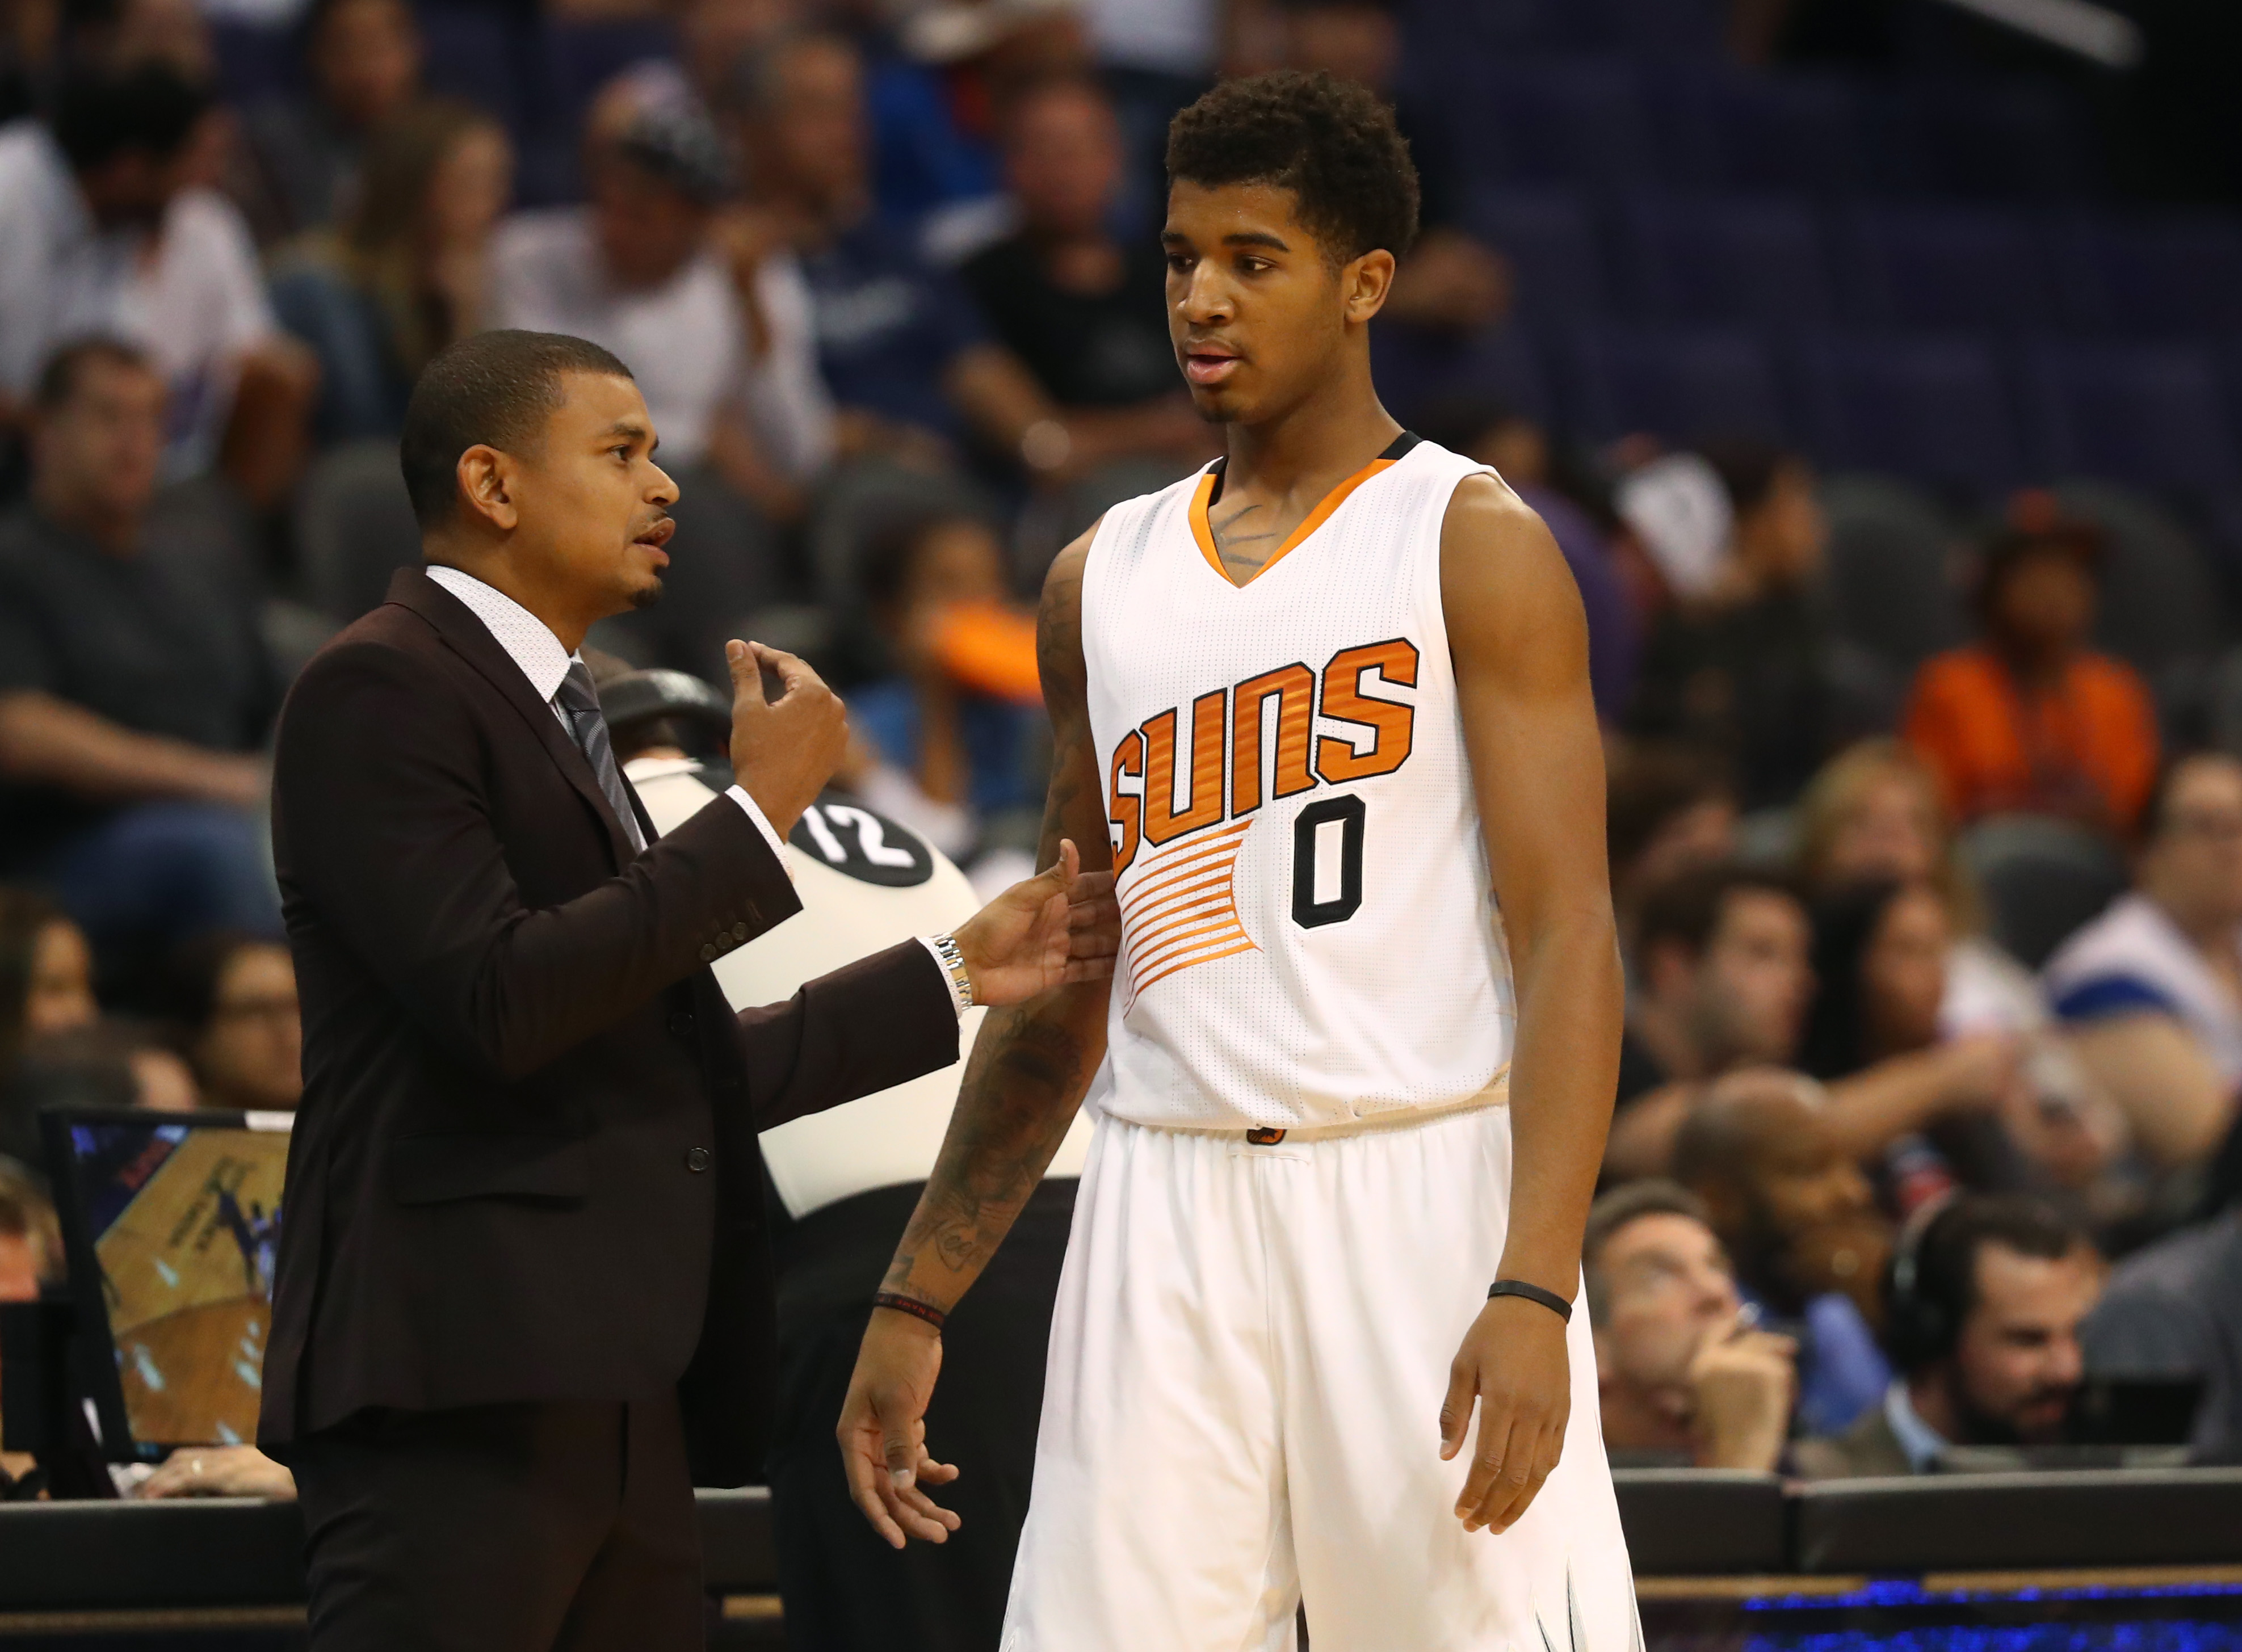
[(470, 639)]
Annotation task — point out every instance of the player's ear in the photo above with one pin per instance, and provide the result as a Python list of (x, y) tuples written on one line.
[(1365, 283)]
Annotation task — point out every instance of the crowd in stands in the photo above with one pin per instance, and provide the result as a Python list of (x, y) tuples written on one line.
[(1925, 821)]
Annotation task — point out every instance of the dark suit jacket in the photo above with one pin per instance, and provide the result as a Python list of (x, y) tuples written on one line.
[(525, 1165)]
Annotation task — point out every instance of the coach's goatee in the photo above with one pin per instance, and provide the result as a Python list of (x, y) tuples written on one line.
[(523, 1301)]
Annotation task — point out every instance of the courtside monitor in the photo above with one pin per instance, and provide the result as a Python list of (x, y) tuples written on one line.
[(170, 1221)]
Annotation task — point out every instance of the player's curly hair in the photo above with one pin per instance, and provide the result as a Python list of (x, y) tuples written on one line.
[(1332, 143)]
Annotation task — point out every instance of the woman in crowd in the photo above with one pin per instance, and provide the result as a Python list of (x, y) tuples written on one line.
[(235, 996), (46, 989), (406, 271), (1988, 1109), (1875, 810)]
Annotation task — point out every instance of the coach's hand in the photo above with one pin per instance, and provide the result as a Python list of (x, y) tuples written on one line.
[(883, 1430), (1514, 1363), (783, 750), (1060, 926)]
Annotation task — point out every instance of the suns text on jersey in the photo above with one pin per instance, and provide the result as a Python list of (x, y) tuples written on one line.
[(1225, 779)]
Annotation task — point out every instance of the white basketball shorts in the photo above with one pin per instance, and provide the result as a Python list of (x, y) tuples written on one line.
[(1247, 1362)]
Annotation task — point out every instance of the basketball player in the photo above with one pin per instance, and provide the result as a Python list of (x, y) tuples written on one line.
[(1327, 701)]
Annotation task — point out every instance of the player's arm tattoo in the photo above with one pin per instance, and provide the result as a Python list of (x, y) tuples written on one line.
[(1032, 1062)]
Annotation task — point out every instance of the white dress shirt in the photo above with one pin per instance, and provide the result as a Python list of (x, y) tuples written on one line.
[(529, 642)]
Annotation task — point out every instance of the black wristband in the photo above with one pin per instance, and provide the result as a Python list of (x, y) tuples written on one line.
[(1549, 1300), (910, 1304)]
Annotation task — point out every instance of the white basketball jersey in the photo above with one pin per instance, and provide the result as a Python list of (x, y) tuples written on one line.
[(1308, 930)]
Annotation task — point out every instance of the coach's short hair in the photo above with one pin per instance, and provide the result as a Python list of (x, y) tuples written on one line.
[(1332, 143), (490, 389)]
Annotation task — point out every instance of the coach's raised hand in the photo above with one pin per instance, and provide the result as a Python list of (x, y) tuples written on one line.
[(783, 750)]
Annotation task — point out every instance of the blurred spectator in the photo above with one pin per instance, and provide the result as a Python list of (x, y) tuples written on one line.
[(1450, 281), (219, 1471), (2031, 720), (1665, 811), (1743, 670), (407, 271), (30, 1256), (46, 973), (2151, 990), (1084, 310), (1876, 810), (1517, 449), (899, 343), (1982, 1319), (111, 1062), (1794, 1213), (234, 996), (99, 234), (1720, 982), (363, 60), (935, 110), (1722, 978), (134, 686), (2174, 1312), (950, 738), (1683, 1377)]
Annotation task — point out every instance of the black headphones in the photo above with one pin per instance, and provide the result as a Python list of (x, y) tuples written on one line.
[(1919, 1328)]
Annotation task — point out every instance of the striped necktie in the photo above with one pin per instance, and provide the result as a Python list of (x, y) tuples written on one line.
[(580, 704)]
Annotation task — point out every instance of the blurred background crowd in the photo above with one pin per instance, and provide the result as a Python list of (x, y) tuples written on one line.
[(1875, 365)]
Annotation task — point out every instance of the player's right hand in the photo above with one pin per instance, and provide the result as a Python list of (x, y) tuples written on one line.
[(783, 750), (882, 1430)]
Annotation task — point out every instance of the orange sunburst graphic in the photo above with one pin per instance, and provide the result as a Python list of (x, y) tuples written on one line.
[(1181, 908)]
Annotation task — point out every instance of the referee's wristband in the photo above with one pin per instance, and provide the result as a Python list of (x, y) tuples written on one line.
[(1549, 1300)]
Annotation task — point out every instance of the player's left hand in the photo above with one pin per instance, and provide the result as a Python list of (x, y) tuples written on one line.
[(1060, 926), (1514, 1363)]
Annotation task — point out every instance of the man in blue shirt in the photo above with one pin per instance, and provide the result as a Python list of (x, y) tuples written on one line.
[(1796, 1217)]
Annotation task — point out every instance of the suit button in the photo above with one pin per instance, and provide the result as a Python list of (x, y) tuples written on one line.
[(739, 931), (682, 1025), (697, 1159), (708, 953)]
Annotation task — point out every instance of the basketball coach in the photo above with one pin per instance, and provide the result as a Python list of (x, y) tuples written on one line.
[(523, 1303)]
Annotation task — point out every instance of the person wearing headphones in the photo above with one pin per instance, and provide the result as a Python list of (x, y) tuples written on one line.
[(1983, 1302)]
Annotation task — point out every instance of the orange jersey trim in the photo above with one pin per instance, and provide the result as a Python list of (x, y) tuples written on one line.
[(1203, 531)]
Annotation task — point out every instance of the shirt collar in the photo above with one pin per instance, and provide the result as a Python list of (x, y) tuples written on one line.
[(526, 639), (1923, 1445)]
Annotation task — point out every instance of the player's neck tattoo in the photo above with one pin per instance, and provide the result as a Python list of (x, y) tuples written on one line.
[(1244, 535)]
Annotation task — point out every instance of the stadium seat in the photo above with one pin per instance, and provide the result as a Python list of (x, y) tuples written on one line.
[(2172, 273), (474, 52), (1683, 384), (256, 61), (1725, 129), (1933, 408), (1894, 590), (1982, 138), (355, 528), (2041, 879), (1663, 29), (2153, 415), (1578, 120), (2162, 609), (1549, 236), (1416, 367), (1740, 259), (1932, 265)]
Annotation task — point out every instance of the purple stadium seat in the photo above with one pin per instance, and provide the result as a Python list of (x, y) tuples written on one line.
[(1757, 258), (1984, 137), (1937, 266), (1416, 368), (1469, 33), (1549, 236), (475, 52), (1663, 29), (2153, 416), (1933, 408), (255, 61), (2160, 273), (1683, 384), (577, 58), (1725, 129), (1577, 120)]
